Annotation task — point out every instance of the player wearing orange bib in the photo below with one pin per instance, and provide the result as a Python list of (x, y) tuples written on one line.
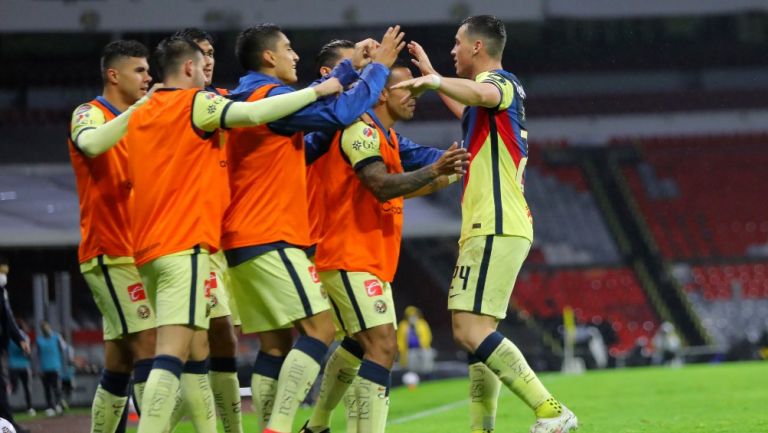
[(222, 364), (106, 249), (364, 182), (176, 218), (497, 229), (266, 227)]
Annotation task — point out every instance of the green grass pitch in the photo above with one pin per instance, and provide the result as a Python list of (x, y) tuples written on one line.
[(719, 398)]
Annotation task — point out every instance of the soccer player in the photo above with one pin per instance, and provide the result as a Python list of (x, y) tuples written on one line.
[(341, 368), (176, 219), (106, 248), (497, 228), (266, 226), (222, 338), (357, 256)]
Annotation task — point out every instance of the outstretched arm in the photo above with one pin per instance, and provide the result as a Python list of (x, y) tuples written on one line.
[(421, 60), (93, 135), (211, 111), (467, 92)]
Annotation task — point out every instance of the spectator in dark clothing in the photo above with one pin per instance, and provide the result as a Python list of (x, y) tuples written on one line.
[(8, 332)]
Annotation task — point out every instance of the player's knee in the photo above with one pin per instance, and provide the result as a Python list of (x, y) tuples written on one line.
[(143, 344), (320, 327)]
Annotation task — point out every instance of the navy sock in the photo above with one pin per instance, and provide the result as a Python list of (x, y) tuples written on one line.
[(115, 383), (488, 345), (313, 347), (268, 365), (170, 363), (224, 364)]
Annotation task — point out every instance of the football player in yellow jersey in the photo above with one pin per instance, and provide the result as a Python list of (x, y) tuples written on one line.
[(497, 228)]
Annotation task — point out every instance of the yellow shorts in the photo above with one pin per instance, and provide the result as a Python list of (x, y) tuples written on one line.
[(485, 274), (360, 300), (176, 285), (218, 290), (276, 289), (120, 295)]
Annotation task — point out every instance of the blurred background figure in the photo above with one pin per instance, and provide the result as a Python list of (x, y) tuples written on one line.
[(667, 347), (50, 347), (414, 341), (8, 332), (19, 368)]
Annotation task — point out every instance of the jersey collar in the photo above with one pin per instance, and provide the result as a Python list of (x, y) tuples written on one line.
[(103, 101)]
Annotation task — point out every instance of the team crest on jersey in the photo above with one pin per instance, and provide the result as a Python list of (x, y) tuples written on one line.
[(143, 312), (380, 306), (368, 132), (373, 288), (136, 292), (83, 109)]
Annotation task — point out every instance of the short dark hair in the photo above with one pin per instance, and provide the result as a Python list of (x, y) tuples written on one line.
[(253, 41), (399, 63), (195, 34), (116, 50), (330, 54), (172, 51), (491, 30)]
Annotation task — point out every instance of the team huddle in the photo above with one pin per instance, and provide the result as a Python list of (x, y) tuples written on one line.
[(264, 209)]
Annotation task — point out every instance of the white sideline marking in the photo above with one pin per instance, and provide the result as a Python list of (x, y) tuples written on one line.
[(429, 412)]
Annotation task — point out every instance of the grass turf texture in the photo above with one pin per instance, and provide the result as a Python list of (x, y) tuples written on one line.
[(698, 398)]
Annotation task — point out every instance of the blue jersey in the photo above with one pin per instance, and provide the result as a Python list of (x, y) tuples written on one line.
[(17, 359), (49, 352), (325, 113)]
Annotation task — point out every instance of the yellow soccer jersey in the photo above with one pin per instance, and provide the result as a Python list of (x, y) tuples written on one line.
[(86, 116), (493, 201), (360, 143), (208, 111)]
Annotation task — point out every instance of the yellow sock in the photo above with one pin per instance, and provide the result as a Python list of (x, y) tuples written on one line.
[(508, 363), (226, 395), (484, 388), (340, 371), (160, 395), (372, 406), (106, 411), (138, 393), (266, 370), (350, 406), (177, 414), (297, 375), (198, 401)]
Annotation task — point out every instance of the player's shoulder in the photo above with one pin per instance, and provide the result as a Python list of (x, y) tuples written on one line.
[(361, 129), (497, 77), (88, 114)]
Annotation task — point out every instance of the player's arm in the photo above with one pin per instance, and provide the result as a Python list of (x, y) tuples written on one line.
[(467, 92), (364, 154), (414, 156), (91, 132), (342, 111), (421, 60), (335, 112), (211, 111), (316, 144)]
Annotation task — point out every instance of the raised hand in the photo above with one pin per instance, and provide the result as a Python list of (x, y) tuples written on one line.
[(454, 161), (362, 56), (420, 58), (391, 45), (330, 86)]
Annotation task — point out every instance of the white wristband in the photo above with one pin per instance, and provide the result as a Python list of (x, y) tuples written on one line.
[(435, 81)]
